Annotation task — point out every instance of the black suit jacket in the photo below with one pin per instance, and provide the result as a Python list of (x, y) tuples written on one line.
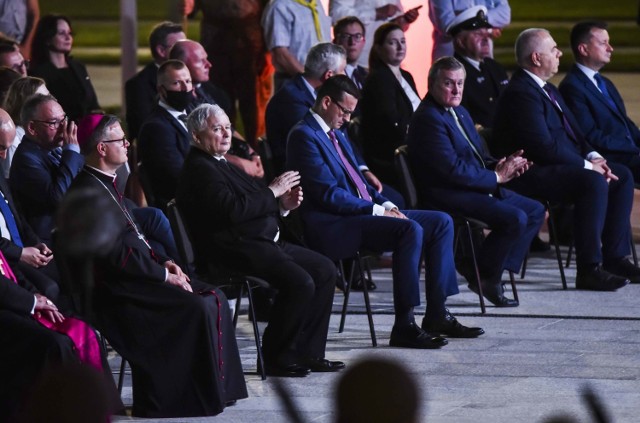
[(74, 106), (482, 89), (386, 112), (527, 119), (209, 93), (233, 220), (10, 250), (140, 93), (163, 144)]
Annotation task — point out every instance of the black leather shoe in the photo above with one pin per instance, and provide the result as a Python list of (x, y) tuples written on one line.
[(538, 245), (323, 365), (494, 294), (289, 370), (356, 285), (625, 269), (412, 336), (450, 327), (598, 279)]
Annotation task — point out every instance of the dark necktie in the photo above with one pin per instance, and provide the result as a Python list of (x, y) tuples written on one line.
[(602, 86), (10, 221), (353, 173), (183, 118), (55, 156), (565, 123), (358, 77)]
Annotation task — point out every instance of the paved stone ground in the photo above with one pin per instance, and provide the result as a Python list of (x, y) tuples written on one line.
[(532, 362)]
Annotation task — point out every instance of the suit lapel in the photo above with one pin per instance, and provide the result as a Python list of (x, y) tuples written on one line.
[(324, 140)]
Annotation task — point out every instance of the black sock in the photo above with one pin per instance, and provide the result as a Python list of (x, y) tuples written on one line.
[(404, 316)]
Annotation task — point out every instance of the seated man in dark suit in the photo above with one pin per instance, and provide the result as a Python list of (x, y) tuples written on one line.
[(41, 172), (175, 332), (349, 32), (595, 101), (194, 56), (532, 116), (485, 78), (343, 214), (19, 244), (163, 141), (233, 222), (290, 103), (455, 174), (140, 92)]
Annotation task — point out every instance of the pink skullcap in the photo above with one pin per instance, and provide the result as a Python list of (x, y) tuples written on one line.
[(86, 127)]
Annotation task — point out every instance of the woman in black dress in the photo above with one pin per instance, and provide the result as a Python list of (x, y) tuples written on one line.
[(67, 79)]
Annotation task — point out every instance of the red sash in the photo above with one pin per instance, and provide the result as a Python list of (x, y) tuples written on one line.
[(83, 337)]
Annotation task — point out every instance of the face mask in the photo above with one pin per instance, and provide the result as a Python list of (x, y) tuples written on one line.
[(179, 100)]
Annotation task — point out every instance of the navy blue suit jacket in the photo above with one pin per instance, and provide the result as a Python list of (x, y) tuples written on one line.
[(527, 119), (329, 193), (443, 164), (605, 127), (163, 144), (38, 183), (288, 105)]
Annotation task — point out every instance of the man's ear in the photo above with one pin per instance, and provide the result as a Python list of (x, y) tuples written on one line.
[(31, 128), (582, 49)]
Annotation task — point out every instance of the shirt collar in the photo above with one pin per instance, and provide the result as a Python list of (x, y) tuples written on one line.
[(321, 122), (309, 87), (472, 62), (110, 175), (536, 78), (588, 71)]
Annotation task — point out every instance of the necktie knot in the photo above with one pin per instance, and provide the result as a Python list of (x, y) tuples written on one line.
[(183, 118)]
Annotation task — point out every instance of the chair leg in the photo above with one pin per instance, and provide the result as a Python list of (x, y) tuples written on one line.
[(634, 254), (347, 290), (524, 266), (236, 311), (475, 266), (367, 302), (123, 367), (256, 331), (552, 228), (513, 286), (569, 254)]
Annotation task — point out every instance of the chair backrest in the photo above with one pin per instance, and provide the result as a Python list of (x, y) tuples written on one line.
[(145, 183), (181, 235), (403, 171)]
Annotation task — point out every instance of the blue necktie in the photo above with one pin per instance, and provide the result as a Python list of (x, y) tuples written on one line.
[(10, 221), (602, 86)]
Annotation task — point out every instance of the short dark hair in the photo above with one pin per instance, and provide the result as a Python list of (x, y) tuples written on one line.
[(159, 34), (581, 33), (344, 22), (8, 45), (336, 87), (166, 66), (31, 105), (443, 63)]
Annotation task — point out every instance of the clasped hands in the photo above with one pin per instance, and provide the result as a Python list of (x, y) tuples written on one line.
[(177, 277), (511, 167), (46, 308), (37, 256), (600, 166)]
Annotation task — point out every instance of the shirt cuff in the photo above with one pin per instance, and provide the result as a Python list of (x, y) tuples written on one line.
[(363, 168), (166, 274), (594, 155), (378, 210), (35, 301), (388, 205), (588, 165), (72, 147), (497, 178)]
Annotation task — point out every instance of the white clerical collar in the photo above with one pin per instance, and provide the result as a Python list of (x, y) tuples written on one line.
[(111, 175)]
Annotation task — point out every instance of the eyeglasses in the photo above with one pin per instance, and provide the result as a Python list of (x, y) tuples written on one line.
[(123, 140), (24, 63), (346, 38), (343, 109), (53, 124)]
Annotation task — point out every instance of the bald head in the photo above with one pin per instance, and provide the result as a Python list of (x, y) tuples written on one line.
[(7, 133), (194, 56), (537, 52)]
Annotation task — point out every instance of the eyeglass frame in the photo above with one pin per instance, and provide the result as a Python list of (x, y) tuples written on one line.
[(343, 109), (55, 125), (346, 37), (123, 140)]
